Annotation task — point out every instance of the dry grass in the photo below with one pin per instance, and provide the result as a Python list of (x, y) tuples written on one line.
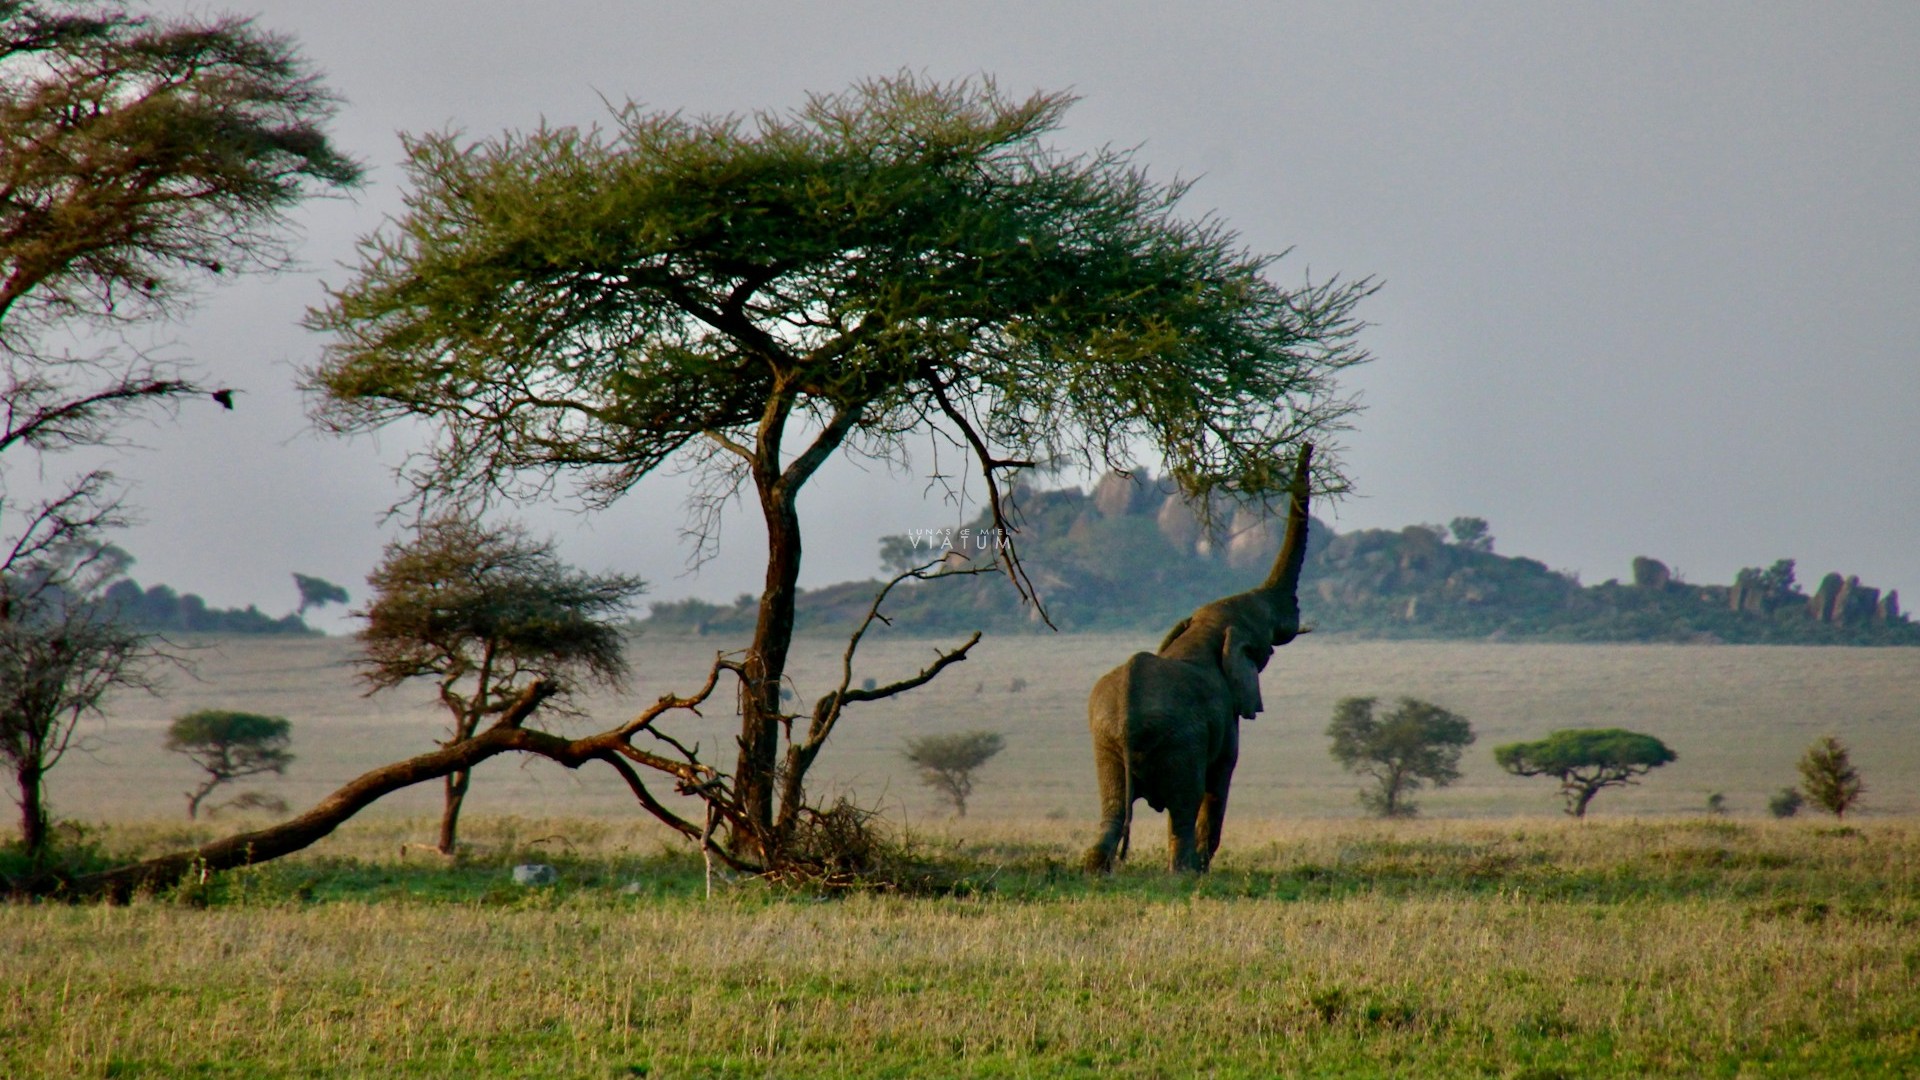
[(1536, 947)]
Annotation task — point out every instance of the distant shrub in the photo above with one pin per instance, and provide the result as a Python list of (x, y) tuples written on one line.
[(1717, 803), (1786, 802)]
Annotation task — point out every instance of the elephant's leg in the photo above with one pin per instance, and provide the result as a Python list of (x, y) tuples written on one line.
[(1110, 767), (1213, 815), (1183, 849), (1213, 805)]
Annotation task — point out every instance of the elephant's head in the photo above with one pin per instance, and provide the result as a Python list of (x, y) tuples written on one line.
[(1240, 632)]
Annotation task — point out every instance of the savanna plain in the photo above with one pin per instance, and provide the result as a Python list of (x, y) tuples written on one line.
[(1489, 937)]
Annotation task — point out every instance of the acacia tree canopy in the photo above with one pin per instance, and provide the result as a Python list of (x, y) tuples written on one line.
[(137, 154), (1586, 760), (750, 295)]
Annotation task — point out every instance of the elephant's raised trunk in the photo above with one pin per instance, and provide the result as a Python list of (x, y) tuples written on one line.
[(1284, 579)]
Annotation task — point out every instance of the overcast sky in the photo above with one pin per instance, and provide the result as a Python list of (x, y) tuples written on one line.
[(1652, 271)]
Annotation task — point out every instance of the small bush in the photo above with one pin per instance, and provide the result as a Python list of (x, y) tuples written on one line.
[(947, 762), (1786, 802)]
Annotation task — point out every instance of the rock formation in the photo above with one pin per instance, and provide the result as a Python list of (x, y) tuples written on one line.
[(1650, 573)]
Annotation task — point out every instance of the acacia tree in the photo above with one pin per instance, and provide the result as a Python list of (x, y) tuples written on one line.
[(1416, 743), (137, 157), (229, 746), (747, 297), (485, 612), (1586, 760), (317, 593)]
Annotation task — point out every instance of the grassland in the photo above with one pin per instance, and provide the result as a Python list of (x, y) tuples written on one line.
[(1490, 938), (1524, 947)]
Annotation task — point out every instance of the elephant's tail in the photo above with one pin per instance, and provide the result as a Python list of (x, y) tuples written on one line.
[(1126, 820)]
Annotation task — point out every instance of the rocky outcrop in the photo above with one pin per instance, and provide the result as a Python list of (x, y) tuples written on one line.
[(1119, 494), (1178, 525), (1254, 538), (1820, 604), (1650, 573)]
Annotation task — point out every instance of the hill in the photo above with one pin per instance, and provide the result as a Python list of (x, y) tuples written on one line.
[(1132, 555)]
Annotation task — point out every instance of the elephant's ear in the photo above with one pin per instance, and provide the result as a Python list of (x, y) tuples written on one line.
[(1243, 676)]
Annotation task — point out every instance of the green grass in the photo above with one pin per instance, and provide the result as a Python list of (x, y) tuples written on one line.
[(1527, 947)]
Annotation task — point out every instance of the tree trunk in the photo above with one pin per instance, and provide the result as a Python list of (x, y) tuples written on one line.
[(754, 778), (195, 798), (450, 816), (33, 808), (1580, 800)]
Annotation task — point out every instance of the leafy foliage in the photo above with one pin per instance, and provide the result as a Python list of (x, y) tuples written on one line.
[(136, 153), (229, 746), (1416, 743), (947, 762), (1586, 760), (1829, 778)]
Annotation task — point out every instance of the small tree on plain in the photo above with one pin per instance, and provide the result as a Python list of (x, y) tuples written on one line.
[(1586, 760), (229, 746), (486, 612), (947, 762), (1415, 744), (1829, 778), (62, 651)]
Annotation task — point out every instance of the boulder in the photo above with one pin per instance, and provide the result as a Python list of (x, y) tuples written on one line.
[(1117, 494), (1821, 604), (1254, 539), (1178, 525), (1650, 573), (1855, 603)]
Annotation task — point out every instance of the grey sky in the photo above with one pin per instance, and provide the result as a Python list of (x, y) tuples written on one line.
[(1652, 271)]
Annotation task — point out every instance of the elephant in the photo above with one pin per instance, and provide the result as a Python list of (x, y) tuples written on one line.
[(1166, 724)]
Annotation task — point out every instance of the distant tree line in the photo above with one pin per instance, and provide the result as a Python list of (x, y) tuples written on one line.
[(160, 608)]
